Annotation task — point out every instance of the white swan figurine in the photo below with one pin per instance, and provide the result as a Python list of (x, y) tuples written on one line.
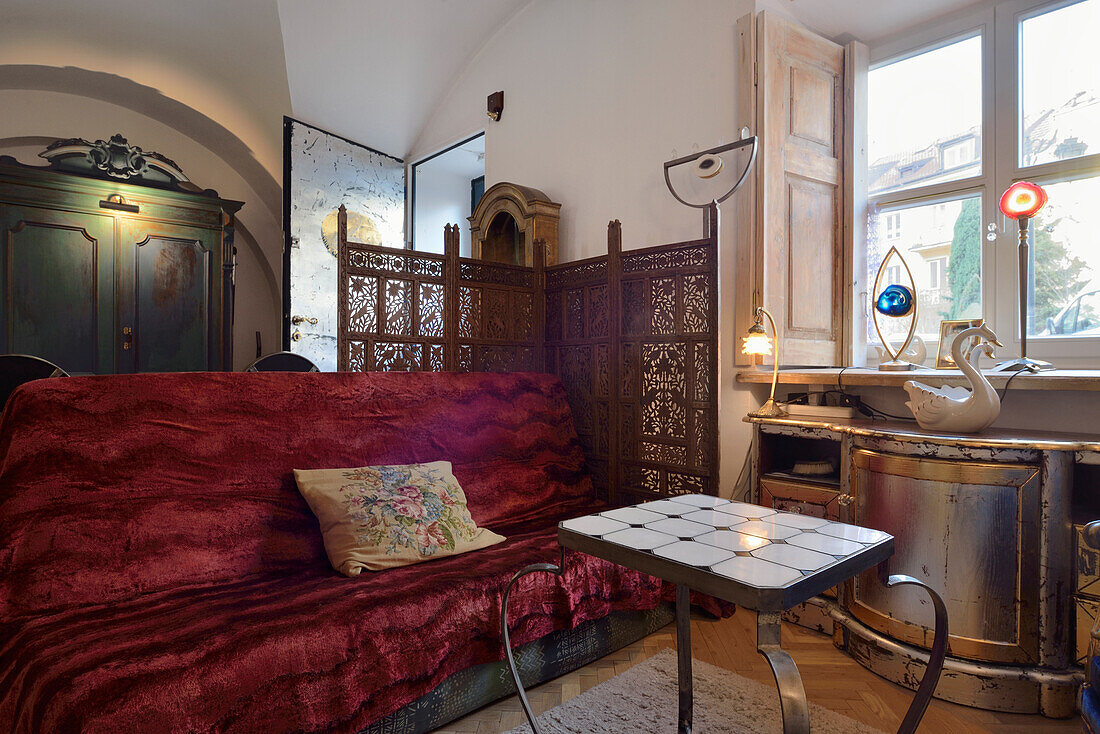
[(957, 409)]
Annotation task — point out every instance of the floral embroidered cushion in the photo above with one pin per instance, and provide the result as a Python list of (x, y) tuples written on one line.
[(378, 517)]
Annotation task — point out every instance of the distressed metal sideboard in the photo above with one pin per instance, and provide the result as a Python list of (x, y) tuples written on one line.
[(986, 520)]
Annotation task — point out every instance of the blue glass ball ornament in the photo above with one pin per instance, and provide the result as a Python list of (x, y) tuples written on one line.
[(895, 300)]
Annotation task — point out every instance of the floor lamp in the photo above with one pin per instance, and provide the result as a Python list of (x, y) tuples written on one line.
[(1022, 201)]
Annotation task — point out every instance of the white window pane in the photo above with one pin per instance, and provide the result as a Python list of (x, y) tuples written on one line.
[(1060, 84), (925, 118), (942, 245), (1064, 298)]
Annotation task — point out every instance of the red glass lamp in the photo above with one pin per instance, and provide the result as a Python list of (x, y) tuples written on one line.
[(1022, 201)]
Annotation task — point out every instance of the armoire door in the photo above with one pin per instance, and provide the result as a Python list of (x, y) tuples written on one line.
[(58, 274), (166, 273)]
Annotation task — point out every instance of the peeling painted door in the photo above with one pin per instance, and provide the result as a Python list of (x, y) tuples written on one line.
[(321, 172)]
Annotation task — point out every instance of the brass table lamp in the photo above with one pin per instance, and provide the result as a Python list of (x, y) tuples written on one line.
[(757, 341)]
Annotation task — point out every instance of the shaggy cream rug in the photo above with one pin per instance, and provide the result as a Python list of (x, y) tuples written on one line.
[(643, 699)]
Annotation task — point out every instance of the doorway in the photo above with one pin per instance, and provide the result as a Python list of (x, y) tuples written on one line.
[(446, 187)]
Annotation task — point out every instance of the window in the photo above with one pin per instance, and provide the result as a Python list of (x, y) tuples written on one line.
[(938, 236), (893, 226), (940, 153), (937, 269), (916, 107), (961, 153)]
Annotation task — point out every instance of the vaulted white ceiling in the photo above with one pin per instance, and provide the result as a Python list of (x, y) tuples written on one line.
[(373, 71)]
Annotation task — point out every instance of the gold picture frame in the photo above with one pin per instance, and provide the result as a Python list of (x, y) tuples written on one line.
[(948, 331)]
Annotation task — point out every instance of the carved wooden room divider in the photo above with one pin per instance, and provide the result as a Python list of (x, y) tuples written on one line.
[(633, 337)]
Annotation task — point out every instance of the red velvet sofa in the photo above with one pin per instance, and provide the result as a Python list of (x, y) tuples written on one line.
[(159, 571)]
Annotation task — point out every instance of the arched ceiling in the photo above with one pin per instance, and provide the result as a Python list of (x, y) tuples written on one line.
[(371, 70), (374, 71)]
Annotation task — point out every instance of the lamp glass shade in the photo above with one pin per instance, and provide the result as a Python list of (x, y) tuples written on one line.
[(756, 344), (1022, 199)]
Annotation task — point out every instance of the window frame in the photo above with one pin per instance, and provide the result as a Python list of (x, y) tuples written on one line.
[(1063, 351), (997, 24)]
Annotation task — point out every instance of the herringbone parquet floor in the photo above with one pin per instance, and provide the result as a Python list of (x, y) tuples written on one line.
[(832, 679)]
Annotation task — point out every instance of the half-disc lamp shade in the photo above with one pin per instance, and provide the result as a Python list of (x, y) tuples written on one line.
[(1023, 199)]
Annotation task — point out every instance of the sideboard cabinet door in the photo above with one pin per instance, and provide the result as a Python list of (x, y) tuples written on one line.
[(969, 530), (58, 273)]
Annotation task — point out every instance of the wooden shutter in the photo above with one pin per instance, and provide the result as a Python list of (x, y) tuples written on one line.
[(798, 255)]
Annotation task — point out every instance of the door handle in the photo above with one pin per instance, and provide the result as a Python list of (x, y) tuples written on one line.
[(127, 337), (299, 319)]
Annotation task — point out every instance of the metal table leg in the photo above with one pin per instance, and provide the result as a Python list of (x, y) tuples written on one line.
[(792, 694), (683, 658), (932, 671), (557, 570)]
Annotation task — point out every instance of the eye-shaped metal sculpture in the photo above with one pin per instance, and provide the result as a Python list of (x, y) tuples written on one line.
[(707, 164), (894, 301)]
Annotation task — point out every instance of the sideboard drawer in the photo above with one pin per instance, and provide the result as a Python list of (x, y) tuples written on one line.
[(808, 498)]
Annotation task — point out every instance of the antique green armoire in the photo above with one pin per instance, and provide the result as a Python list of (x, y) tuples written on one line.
[(112, 261)]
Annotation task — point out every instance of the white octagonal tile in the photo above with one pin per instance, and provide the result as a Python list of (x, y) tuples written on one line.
[(713, 518), (825, 544), (593, 525), (852, 532), (803, 522), (633, 515), (699, 500), (692, 553), (640, 538), (742, 509), (679, 528), (756, 572), (766, 529), (794, 557), (732, 541), (664, 507)]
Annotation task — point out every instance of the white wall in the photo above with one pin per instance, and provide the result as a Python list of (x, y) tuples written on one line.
[(597, 95), (442, 198)]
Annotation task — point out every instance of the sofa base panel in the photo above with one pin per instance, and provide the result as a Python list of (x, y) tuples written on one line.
[(538, 661)]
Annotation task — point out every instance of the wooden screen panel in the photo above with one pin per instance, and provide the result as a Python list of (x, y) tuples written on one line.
[(667, 409), (579, 350), (799, 173), (393, 311), (497, 316), (406, 310)]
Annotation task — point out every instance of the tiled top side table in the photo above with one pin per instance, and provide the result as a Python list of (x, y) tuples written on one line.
[(756, 557)]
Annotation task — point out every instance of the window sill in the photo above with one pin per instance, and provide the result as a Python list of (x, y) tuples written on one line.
[(1086, 380)]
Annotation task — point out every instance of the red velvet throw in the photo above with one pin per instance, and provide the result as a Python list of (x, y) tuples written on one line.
[(159, 571)]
